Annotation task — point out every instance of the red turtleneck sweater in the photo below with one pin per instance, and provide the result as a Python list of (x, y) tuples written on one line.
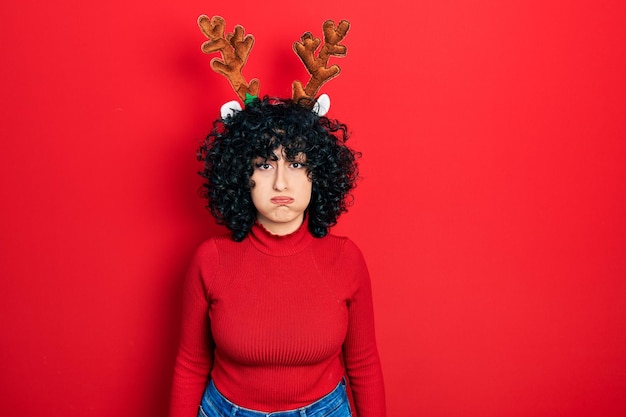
[(273, 320)]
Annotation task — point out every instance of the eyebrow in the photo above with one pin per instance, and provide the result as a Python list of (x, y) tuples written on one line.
[(300, 157)]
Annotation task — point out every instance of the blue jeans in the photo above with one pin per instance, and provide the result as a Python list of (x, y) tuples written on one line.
[(334, 404)]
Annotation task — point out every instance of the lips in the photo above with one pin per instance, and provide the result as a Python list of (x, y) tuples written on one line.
[(282, 200)]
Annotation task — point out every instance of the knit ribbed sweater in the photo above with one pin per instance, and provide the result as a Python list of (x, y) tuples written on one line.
[(276, 322)]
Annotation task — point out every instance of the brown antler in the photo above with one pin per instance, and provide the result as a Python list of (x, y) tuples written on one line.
[(234, 49), (316, 66)]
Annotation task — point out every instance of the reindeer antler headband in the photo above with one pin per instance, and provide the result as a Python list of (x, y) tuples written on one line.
[(235, 48)]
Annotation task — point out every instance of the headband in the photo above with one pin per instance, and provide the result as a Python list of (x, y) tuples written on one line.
[(235, 47)]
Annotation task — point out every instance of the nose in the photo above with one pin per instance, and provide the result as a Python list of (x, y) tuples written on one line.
[(280, 180)]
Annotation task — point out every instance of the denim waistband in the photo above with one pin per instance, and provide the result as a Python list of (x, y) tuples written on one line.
[(320, 407)]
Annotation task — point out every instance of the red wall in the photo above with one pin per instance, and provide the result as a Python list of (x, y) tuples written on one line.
[(491, 209)]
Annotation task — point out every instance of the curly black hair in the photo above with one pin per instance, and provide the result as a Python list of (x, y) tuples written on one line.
[(256, 131)]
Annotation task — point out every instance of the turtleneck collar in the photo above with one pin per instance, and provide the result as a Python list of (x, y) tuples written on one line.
[(280, 245)]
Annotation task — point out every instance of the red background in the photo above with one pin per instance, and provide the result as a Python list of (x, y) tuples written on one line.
[(491, 206)]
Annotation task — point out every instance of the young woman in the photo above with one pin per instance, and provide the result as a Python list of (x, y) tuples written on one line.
[(277, 315)]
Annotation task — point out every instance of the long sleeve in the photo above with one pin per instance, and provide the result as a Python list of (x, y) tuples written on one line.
[(195, 352), (360, 351)]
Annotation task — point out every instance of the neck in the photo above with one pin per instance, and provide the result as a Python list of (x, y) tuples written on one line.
[(280, 245), (282, 229)]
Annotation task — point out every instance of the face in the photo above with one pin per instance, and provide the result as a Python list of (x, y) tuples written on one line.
[(281, 192)]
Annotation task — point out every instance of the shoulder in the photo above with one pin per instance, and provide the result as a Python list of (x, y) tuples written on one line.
[(340, 250), (221, 247), (207, 254), (218, 243), (210, 257), (341, 243), (341, 261)]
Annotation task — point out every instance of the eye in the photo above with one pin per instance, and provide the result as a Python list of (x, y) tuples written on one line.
[(297, 165), (262, 166)]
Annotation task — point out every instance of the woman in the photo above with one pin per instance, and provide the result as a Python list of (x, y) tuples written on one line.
[(277, 316)]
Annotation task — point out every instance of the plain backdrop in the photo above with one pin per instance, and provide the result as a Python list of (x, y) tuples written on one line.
[(491, 206)]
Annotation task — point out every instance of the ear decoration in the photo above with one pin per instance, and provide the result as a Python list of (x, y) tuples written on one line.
[(229, 109), (234, 49), (322, 105)]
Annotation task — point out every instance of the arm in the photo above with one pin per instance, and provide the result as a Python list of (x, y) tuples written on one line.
[(195, 352), (360, 351)]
